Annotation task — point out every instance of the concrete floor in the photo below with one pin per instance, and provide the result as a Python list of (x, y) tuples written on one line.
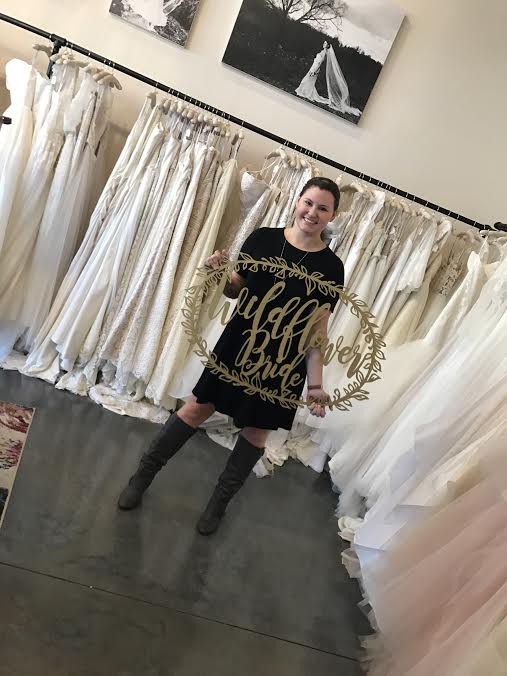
[(88, 590)]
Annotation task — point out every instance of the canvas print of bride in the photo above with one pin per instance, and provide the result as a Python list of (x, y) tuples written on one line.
[(325, 52), (171, 19)]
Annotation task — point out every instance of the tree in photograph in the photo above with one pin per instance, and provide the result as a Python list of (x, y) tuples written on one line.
[(318, 12)]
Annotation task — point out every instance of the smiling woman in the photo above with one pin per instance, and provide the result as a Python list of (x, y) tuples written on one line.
[(261, 347)]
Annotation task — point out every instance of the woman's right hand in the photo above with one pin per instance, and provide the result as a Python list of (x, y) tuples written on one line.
[(217, 259)]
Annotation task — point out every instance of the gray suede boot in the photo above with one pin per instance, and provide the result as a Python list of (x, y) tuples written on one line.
[(173, 435), (241, 462)]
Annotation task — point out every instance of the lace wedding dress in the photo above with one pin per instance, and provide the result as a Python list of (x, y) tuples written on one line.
[(133, 341), (44, 359), (31, 197), (85, 124), (405, 370), (175, 346)]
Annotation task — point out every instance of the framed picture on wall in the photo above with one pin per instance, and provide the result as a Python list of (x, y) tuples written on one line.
[(171, 19), (325, 52)]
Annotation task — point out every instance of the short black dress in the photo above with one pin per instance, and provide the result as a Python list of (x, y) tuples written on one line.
[(244, 339)]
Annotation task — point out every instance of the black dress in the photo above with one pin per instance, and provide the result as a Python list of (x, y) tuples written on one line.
[(237, 341)]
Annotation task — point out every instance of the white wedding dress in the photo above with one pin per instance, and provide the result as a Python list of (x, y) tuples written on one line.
[(16, 138), (133, 341), (175, 346), (85, 124), (338, 96), (150, 10), (43, 360), (356, 435), (307, 88), (31, 197)]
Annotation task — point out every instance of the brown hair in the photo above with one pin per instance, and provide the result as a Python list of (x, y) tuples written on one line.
[(323, 184)]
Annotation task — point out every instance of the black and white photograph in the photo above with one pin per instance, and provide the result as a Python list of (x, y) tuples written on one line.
[(325, 52), (171, 19)]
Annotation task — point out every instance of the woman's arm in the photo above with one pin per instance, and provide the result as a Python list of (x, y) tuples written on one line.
[(315, 367), (236, 283), (232, 288)]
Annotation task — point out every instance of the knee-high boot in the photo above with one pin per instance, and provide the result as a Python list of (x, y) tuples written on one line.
[(173, 435), (241, 462)]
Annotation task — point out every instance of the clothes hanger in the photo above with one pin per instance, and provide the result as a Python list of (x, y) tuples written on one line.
[(47, 49), (65, 57), (111, 80)]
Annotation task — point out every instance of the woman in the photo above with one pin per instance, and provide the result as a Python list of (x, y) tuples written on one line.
[(246, 346), (307, 89), (338, 96), (152, 12)]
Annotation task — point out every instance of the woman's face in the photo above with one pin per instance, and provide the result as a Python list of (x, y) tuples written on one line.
[(314, 210)]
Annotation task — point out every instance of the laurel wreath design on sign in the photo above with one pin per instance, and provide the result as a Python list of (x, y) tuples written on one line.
[(342, 398)]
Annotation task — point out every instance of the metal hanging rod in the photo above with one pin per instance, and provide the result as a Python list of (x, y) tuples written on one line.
[(59, 42)]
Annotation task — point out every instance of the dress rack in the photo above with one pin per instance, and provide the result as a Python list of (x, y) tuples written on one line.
[(59, 42)]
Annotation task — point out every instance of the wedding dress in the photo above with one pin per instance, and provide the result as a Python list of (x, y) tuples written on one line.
[(31, 197), (442, 288), (74, 323), (175, 346), (85, 375), (85, 123), (254, 197), (338, 92), (457, 613), (405, 323), (307, 88), (78, 329), (489, 656), (337, 88), (82, 377), (43, 360), (132, 347), (416, 266), (150, 10), (108, 393), (16, 138), (468, 364), (404, 371), (287, 216)]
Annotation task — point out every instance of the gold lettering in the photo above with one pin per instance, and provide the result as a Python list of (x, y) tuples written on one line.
[(280, 314), (249, 347), (287, 369), (257, 329), (304, 341), (224, 310), (290, 332), (296, 320)]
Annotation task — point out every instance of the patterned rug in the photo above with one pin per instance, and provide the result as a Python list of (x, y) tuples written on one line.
[(14, 425)]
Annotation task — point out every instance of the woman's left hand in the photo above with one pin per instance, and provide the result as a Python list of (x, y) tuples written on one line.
[(318, 399)]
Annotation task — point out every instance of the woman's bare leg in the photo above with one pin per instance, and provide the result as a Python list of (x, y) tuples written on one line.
[(195, 414), (257, 437)]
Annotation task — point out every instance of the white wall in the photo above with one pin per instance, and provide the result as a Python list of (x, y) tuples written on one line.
[(435, 124)]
